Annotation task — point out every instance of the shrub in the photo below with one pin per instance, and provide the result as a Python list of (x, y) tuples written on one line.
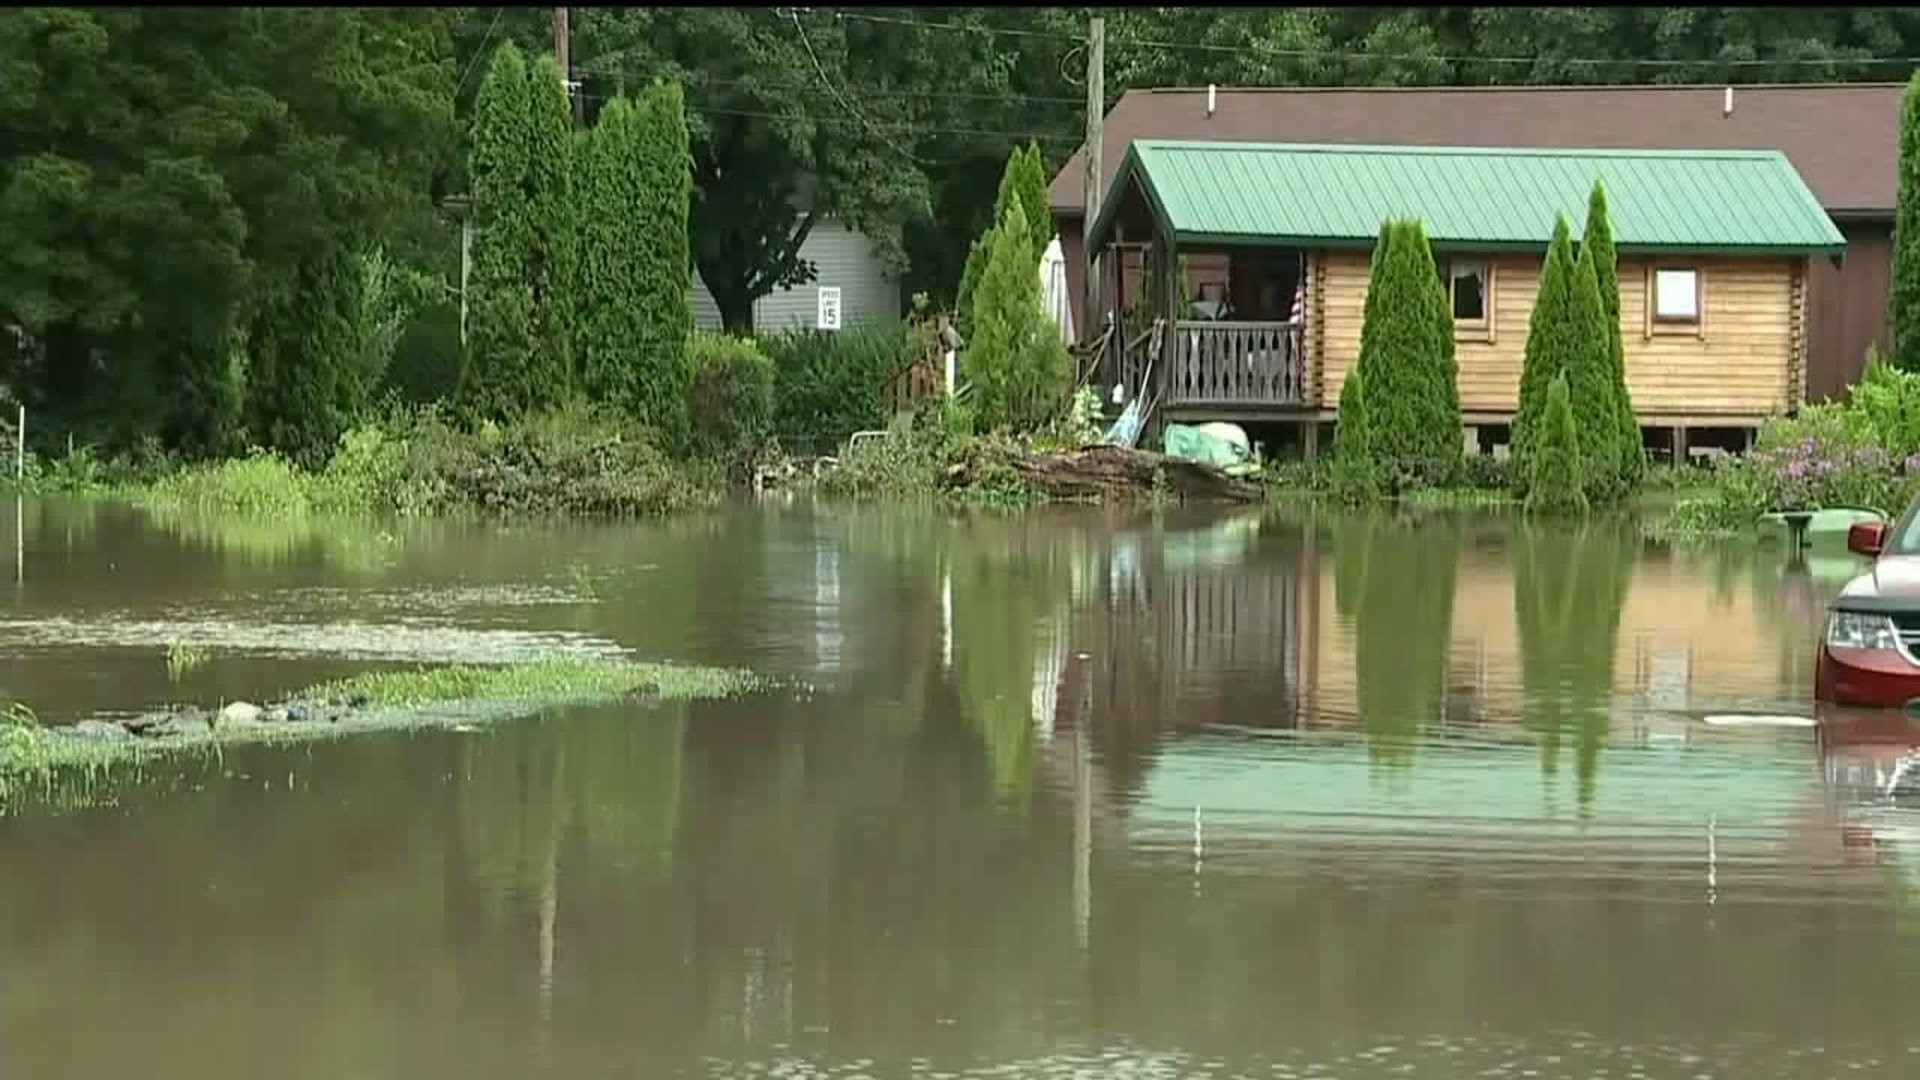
[(828, 385), (1552, 337), (1598, 243), (664, 283), (1885, 405), (1355, 475), (1015, 359), (1905, 300), (1024, 182), (1412, 403), (1589, 385), (1556, 485), (732, 406)]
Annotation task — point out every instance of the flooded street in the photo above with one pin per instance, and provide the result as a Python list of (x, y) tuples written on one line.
[(1084, 793)]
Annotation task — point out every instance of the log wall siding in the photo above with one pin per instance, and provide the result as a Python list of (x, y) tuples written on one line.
[(1744, 367)]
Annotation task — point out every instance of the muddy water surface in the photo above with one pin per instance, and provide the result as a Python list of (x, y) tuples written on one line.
[(1076, 794)]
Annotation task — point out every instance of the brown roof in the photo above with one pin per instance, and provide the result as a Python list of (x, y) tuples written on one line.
[(1843, 139)]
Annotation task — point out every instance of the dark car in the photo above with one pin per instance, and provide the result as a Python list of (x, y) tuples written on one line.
[(1868, 652)]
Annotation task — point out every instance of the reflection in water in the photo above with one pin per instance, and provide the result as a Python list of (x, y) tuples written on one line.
[(1085, 793)]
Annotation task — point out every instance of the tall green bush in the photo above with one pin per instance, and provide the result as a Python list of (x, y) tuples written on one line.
[(1410, 395), (1024, 180), (1014, 357), (501, 324), (1551, 340), (552, 267), (829, 385), (1589, 385), (1555, 486), (732, 403), (1598, 240), (1355, 475), (613, 254), (1906, 235), (664, 278)]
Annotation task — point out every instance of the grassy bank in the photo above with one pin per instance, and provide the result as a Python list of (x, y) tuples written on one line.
[(62, 769), (570, 463)]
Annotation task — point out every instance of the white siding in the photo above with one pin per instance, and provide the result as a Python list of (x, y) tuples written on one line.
[(842, 258)]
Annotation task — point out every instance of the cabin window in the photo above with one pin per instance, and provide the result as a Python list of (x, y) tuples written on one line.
[(1468, 283), (1676, 296)]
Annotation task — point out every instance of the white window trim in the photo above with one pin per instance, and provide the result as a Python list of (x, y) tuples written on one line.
[(1676, 326), (1480, 329)]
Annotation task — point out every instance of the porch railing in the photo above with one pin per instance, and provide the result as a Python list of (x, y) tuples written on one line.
[(1235, 363)]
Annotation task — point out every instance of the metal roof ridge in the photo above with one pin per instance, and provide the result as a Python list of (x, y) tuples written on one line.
[(1407, 150), (1548, 88)]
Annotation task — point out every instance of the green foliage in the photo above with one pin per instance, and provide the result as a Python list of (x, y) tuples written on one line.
[(773, 145), (1556, 485), (501, 322), (828, 385), (1552, 339), (1864, 453), (1906, 235), (732, 405), (170, 180), (1590, 387), (1015, 360), (664, 313), (614, 261), (553, 263), (1024, 182), (1356, 476), (1410, 392), (1597, 244)]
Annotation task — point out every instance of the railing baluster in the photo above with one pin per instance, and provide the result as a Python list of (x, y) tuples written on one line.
[(1236, 363)]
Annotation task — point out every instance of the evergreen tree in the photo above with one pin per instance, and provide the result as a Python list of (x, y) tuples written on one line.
[(1412, 404), (1024, 180), (501, 325), (1555, 485), (551, 267), (613, 256), (1014, 357), (1354, 472), (1599, 240), (1590, 386), (1549, 334), (1906, 235), (663, 283), (1440, 396)]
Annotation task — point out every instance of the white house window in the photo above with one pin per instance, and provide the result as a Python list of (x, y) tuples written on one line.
[(1467, 283), (1676, 295)]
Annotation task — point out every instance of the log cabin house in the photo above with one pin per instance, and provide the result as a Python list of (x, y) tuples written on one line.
[(1842, 138), (1714, 249)]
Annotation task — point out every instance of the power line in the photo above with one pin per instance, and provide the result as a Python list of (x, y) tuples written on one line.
[(800, 29), (1348, 54)]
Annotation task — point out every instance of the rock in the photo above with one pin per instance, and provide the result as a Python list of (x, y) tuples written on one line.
[(302, 712), (240, 714), (275, 715), (99, 731)]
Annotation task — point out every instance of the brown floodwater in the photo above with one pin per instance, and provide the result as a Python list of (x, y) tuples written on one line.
[(1075, 794)]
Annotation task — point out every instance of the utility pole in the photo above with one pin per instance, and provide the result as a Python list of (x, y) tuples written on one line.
[(563, 54), (1096, 117)]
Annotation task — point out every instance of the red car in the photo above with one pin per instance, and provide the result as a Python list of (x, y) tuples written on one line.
[(1870, 653)]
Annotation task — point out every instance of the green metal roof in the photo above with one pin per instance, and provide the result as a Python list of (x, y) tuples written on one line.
[(1735, 201)]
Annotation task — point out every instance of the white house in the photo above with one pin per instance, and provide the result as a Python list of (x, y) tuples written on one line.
[(843, 259)]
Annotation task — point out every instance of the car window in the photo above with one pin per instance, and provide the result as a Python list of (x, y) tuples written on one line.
[(1904, 537)]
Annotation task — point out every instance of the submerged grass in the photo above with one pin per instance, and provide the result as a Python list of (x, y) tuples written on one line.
[(63, 771)]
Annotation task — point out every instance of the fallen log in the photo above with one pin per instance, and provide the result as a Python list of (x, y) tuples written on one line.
[(1104, 472)]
